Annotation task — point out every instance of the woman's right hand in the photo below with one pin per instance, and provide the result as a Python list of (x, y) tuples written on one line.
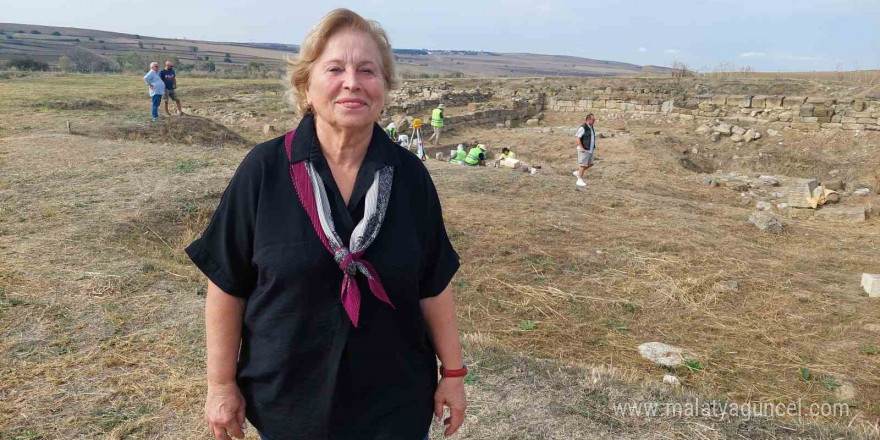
[(224, 411)]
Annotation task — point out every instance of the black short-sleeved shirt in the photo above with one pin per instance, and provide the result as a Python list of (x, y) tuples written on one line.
[(304, 370)]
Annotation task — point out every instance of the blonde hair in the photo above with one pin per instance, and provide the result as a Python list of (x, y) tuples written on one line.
[(299, 69)]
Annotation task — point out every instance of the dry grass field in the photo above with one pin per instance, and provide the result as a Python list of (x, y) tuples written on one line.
[(101, 312)]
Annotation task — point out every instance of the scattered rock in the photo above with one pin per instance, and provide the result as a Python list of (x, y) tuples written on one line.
[(861, 192), (737, 138), (845, 392), (766, 222), (854, 215), (832, 197), (723, 128), (268, 129), (833, 185), (871, 284), (671, 380), (751, 135), (763, 206), (769, 180), (707, 180), (772, 132), (729, 286), (704, 129), (534, 121), (662, 354), (439, 156), (782, 206), (738, 130), (716, 137), (834, 172), (873, 328)]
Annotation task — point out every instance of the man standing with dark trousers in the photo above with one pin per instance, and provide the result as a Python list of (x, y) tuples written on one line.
[(169, 77), (586, 137)]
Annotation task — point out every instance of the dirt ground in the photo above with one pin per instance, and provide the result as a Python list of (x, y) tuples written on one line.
[(102, 313)]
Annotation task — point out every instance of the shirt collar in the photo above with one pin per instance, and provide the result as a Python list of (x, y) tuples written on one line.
[(306, 146)]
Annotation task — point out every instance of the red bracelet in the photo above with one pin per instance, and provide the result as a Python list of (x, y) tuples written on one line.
[(461, 372)]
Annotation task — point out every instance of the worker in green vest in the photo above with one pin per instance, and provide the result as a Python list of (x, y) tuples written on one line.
[(437, 124), (459, 157), (391, 129), (476, 156)]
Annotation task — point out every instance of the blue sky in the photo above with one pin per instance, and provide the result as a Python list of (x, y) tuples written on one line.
[(767, 35)]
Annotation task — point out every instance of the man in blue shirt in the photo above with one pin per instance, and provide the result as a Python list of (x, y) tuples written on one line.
[(169, 78)]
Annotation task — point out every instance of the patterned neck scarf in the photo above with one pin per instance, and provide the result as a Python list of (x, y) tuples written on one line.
[(310, 189)]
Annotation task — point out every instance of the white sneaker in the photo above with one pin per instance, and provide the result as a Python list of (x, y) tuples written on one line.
[(581, 182), (574, 173)]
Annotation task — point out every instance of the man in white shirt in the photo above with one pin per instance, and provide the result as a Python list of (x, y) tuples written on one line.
[(586, 137), (157, 87)]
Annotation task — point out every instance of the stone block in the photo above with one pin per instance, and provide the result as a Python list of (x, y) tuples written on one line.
[(799, 191), (719, 99), (599, 103), (832, 125), (821, 110), (685, 117), (806, 110), (807, 126), (859, 106), (834, 185), (758, 101), (794, 101), (820, 100), (839, 213), (612, 104), (823, 119), (809, 119), (739, 101), (871, 284), (866, 121), (774, 101), (837, 119), (853, 126), (848, 120), (873, 127)]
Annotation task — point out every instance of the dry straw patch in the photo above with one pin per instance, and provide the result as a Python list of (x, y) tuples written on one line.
[(102, 312)]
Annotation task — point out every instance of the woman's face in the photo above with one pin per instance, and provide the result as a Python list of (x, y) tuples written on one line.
[(346, 86)]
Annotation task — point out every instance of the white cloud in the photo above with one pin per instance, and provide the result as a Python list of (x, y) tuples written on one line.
[(671, 51), (643, 49), (752, 55)]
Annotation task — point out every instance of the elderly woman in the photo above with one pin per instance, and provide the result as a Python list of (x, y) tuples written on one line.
[(329, 266)]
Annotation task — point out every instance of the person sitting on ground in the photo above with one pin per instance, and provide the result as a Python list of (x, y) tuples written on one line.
[(460, 155), (476, 156), (391, 129), (403, 140), (507, 154)]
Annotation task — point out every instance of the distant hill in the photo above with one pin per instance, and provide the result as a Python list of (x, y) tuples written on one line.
[(48, 43)]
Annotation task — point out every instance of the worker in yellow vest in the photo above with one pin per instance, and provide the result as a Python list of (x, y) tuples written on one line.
[(507, 154), (437, 124)]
